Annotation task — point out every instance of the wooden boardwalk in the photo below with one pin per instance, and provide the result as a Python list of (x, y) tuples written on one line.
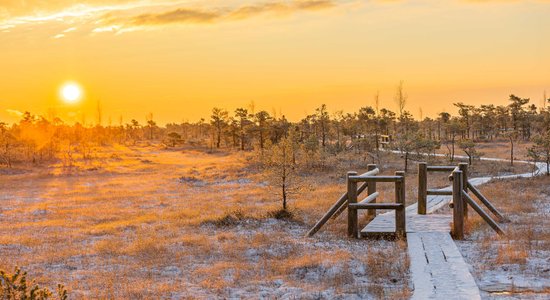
[(438, 270)]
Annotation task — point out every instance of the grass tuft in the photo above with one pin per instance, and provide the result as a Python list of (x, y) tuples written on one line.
[(281, 214)]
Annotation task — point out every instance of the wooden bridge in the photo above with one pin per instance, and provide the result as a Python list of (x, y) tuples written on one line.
[(437, 267)]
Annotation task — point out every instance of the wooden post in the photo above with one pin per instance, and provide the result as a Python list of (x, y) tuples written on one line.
[(464, 168), (371, 189), (458, 209), (400, 222), (422, 187), (352, 213)]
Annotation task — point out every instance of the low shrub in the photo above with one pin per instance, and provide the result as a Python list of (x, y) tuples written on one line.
[(17, 287)]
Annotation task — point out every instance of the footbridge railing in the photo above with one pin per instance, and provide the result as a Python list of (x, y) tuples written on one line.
[(368, 202), (342, 203)]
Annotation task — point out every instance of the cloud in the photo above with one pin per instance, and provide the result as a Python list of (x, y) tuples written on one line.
[(214, 15), (280, 8), (18, 8), (180, 15), (14, 112)]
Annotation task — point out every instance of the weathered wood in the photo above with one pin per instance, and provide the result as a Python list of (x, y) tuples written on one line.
[(486, 202), (371, 189), (464, 168), (353, 230), (440, 168), (340, 205), (400, 218), (454, 170), (372, 171), (422, 187), (482, 213), (344, 205), (439, 193), (370, 198), (375, 178), (361, 188), (375, 205), (458, 210)]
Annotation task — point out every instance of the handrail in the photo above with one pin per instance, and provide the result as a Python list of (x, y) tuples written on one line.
[(439, 193), (486, 202), (440, 168), (375, 178), (340, 204), (424, 192), (454, 170), (370, 198), (365, 185), (394, 206), (372, 172), (398, 206), (482, 213)]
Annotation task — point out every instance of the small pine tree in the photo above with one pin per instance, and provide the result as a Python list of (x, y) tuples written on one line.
[(541, 150), (469, 147), (281, 169), (17, 287)]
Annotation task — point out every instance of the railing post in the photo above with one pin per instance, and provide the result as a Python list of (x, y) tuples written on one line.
[(422, 187), (371, 189), (352, 198), (400, 218), (458, 207), (464, 168)]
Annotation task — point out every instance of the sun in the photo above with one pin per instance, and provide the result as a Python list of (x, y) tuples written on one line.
[(70, 92)]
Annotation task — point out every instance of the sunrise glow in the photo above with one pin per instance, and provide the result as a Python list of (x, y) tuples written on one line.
[(141, 56), (274, 149), (71, 93)]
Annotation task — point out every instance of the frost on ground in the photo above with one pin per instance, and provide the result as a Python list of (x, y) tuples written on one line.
[(147, 223), (516, 266)]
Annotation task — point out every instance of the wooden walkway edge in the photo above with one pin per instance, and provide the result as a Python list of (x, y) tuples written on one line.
[(438, 270)]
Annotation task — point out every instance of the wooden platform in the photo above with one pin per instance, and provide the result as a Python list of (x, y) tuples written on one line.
[(384, 225)]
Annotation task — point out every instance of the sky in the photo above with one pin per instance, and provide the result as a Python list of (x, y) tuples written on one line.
[(177, 59)]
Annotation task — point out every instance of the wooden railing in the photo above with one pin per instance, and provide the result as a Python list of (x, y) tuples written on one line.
[(462, 199), (369, 202), (424, 192), (342, 203)]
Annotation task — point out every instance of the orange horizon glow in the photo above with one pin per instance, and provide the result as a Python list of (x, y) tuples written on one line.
[(178, 59)]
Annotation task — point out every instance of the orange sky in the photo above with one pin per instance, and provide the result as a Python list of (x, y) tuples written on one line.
[(178, 59)]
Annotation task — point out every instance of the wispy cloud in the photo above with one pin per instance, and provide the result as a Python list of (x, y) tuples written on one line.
[(118, 16), (279, 8), (180, 15), (185, 15), (14, 112)]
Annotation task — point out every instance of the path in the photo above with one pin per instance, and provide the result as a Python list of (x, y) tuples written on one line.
[(438, 270)]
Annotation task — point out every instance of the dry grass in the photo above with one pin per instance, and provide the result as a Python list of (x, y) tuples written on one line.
[(149, 223), (522, 254), (499, 148)]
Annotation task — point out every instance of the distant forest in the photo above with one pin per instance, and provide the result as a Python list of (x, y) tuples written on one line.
[(36, 139)]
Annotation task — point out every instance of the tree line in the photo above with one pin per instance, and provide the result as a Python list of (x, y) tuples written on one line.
[(37, 139)]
